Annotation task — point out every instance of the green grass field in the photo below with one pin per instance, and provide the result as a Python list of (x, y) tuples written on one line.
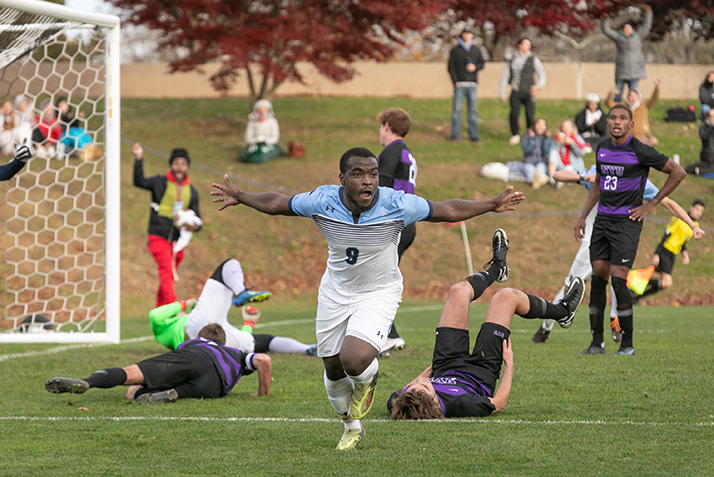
[(650, 414)]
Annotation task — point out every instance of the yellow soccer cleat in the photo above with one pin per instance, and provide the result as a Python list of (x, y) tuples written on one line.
[(351, 438), (363, 398)]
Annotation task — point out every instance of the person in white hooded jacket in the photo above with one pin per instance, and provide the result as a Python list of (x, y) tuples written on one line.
[(261, 134)]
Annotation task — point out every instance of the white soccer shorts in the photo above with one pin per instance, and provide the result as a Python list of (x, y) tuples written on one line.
[(212, 307), (365, 316)]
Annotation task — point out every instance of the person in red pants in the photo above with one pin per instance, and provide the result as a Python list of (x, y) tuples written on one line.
[(171, 194)]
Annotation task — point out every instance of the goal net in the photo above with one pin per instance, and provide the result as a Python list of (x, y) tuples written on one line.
[(59, 242)]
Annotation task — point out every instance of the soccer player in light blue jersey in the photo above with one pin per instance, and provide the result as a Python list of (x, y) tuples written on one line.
[(362, 287)]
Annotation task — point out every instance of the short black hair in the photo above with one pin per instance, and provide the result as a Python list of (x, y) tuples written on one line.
[(524, 38), (354, 152), (621, 106), (698, 202), (213, 332)]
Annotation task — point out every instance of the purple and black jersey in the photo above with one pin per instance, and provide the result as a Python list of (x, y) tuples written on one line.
[(397, 167), (623, 174), (461, 395), (230, 363)]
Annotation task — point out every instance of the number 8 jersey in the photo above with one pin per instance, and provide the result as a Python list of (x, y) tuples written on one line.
[(623, 174), (362, 249)]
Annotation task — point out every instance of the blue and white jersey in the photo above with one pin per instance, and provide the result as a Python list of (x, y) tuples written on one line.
[(362, 249)]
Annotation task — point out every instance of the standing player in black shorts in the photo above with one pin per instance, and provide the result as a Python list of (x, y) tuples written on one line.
[(199, 368), (397, 170), (463, 384), (623, 163)]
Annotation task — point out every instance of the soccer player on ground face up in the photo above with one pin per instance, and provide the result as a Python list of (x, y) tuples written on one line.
[(623, 164), (200, 368), (180, 321), (460, 383), (362, 286)]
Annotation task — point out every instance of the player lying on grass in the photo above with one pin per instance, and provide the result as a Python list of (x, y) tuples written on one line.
[(177, 322), (203, 367), (581, 266), (463, 384), (362, 286)]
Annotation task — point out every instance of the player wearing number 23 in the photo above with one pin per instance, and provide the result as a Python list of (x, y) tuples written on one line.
[(362, 286), (623, 163)]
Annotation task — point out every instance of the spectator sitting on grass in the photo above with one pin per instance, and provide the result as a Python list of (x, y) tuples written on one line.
[(706, 156), (536, 146), (262, 134), (592, 122), (567, 151), (706, 94)]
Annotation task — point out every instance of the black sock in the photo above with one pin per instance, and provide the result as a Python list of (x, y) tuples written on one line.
[(107, 378), (598, 300), (540, 308), (482, 280), (653, 286), (393, 331), (624, 310)]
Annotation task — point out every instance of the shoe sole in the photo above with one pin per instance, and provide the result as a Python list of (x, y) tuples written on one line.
[(587, 352), (569, 320), (155, 398), (66, 385), (507, 244), (254, 299), (632, 353), (364, 405)]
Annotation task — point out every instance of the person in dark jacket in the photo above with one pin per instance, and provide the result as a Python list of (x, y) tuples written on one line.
[(706, 94), (629, 62), (591, 121), (706, 156), (465, 61), (171, 195)]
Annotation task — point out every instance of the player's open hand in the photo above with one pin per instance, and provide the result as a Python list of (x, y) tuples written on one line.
[(638, 214), (22, 152), (508, 200), (138, 151), (507, 352), (226, 193)]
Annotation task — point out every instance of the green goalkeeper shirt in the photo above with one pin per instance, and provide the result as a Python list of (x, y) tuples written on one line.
[(167, 327)]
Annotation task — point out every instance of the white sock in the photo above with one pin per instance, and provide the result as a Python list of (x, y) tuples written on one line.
[(281, 344), (339, 393), (613, 308), (232, 275), (354, 424), (548, 325), (367, 374)]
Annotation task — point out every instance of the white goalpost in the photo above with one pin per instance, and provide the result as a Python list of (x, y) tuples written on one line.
[(60, 238)]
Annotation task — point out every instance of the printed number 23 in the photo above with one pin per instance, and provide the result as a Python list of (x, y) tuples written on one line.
[(352, 254), (610, 183)]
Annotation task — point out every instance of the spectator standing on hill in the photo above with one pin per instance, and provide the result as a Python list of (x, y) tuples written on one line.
[(520, 73), (398, 171), (706, 155), (629, 62), (171, 194), (706, 94), (465, 61), (640, 112), (591, 121), (623, 163), (362, 287), (536, 146)]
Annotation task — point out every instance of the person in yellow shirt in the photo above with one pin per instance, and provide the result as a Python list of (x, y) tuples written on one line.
[(674, 242)]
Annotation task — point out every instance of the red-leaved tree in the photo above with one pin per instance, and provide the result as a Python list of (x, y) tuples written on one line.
[(273, 36)]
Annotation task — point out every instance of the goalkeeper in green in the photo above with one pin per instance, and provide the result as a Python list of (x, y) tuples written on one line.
[(174, 323)]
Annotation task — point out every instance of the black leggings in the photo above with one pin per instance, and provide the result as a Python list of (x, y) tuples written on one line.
[(517, 100)]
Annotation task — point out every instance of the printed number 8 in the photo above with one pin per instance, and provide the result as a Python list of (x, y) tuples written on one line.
[(352, 254)]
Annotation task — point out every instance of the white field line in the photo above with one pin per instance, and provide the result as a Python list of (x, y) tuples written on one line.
[(376, 421)]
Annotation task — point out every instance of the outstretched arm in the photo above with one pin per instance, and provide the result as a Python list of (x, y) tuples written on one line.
[(592, 200), (22, 155), (456, 210), (264, 366), (677, 210), (500, 398), (270, 203), (676, 175)]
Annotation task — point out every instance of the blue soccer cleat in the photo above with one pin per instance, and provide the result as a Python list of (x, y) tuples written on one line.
[(250, 296)]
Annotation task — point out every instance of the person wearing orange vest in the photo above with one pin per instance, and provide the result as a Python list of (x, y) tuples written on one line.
[(170, 194)]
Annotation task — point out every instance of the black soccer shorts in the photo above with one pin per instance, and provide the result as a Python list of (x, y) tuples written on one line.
[(190, 372), (616, 240), (666, 260)]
